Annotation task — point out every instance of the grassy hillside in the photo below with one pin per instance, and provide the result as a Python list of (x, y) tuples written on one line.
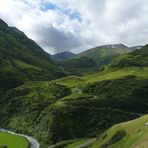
[(131, 134), (21, 59), (12, 141)]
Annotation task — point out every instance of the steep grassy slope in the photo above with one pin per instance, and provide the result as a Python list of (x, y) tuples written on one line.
[(28, 108), (21, 59), (131, 134)]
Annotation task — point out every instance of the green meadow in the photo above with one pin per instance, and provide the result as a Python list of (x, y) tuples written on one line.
[(12, 141)]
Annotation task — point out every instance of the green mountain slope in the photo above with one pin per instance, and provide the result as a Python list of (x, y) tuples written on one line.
[(129, 134), (103, 54), (98, 57), (21, 59)]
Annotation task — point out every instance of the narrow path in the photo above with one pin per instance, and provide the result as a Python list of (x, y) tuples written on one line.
[(143, 144), (33, 142), (86, 144)]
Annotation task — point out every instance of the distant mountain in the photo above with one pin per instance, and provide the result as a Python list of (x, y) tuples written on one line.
[(99, 56), (21, 59), (104, 54), (115, 46), (63, 56), (137, 47)]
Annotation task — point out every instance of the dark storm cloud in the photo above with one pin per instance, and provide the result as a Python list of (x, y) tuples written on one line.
[(57, 39)]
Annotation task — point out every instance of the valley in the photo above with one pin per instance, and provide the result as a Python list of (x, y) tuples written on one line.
[(70, 102)]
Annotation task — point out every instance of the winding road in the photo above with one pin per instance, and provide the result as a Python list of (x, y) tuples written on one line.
[(33, 142), (86, 143)]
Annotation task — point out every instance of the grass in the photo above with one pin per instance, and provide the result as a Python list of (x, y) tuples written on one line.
[(116, 74), (136, 135), (13, 141), (70, 81), (75, 82)]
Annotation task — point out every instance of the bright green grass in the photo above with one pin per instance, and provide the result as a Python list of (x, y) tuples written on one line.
[(115, 74), (136, 134), (13, 141), (109, 74), (70, 81), (77, 143)]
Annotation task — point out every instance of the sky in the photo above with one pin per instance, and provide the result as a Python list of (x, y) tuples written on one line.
[(77, 25)]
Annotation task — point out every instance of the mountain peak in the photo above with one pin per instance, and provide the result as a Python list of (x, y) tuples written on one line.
[(120, 45), (63, 55)]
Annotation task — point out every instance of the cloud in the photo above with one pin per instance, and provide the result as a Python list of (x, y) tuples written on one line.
[(57, 39), (78, 25)]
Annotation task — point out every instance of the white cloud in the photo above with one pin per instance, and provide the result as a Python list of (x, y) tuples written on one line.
[(76, 25)]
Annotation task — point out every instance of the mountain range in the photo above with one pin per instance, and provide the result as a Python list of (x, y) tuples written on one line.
[(93, 59)]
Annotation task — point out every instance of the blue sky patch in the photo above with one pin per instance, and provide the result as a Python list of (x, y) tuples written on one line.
[(49, 6), (71, 14)]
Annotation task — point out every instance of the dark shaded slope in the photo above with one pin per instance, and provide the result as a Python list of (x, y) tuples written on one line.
[(79, 66), (21, 59)]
